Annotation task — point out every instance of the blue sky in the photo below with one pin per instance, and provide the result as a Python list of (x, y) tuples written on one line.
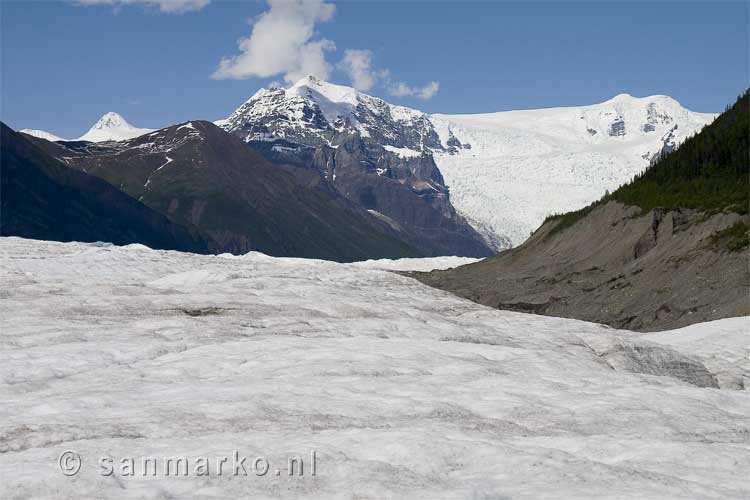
[(65, 64)]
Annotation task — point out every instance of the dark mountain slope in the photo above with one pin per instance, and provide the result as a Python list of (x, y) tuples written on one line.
[(44, 199), (197, 174), (666, 250)]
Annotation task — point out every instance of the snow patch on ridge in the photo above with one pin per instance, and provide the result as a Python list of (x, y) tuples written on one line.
[(403, 152), (169, 160), (188, 125)]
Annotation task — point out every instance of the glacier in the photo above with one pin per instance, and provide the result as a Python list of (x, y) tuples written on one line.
[(401, 390)]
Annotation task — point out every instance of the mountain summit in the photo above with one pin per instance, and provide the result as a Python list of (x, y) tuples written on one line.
[(316, 112), (112, 127)]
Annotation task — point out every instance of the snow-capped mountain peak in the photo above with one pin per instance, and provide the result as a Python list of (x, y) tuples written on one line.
[(112, 127), (41, 134), (335, 100), (111, 120), (314, 112)]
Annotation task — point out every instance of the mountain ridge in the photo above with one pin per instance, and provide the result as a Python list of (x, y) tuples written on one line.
[(490, 162), (497, 174)]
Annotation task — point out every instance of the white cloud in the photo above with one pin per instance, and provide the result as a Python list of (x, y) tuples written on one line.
[(281, 42), (166, 6), (400, 89), (357, 64)]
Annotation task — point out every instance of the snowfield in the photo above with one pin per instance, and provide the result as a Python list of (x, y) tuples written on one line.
[(402, 391)]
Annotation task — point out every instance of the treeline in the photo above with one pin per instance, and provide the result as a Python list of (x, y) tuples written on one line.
[(708, 171)]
